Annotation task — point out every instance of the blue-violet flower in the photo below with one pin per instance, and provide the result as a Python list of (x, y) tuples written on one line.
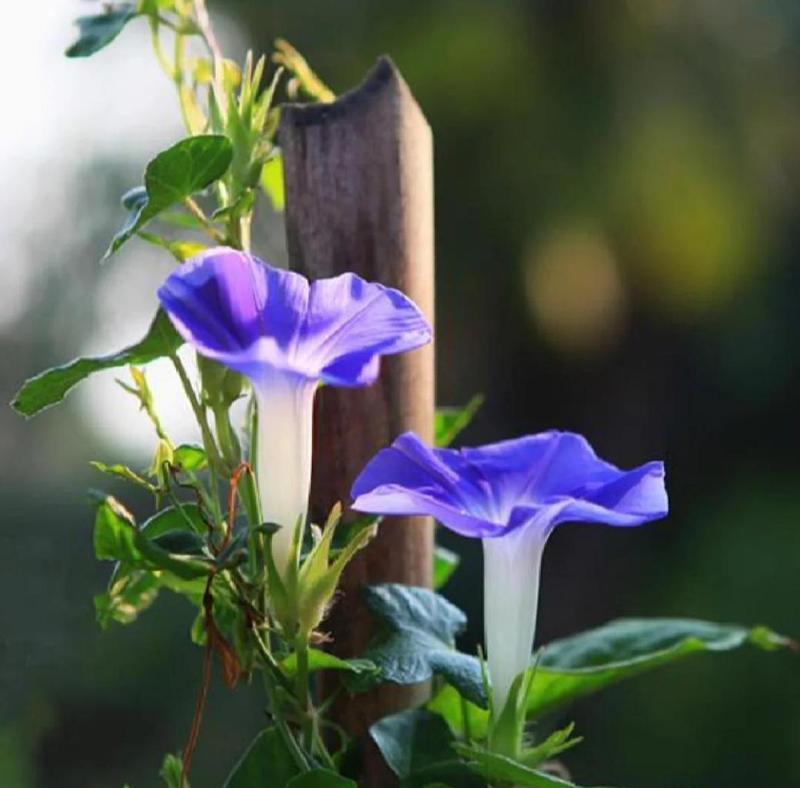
[(286, 335), (511, 495)]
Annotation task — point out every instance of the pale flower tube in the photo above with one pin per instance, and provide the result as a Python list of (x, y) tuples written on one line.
[(510, 495), (286, 335)]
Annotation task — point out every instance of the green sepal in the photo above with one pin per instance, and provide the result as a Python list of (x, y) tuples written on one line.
[(505, 733), (172, 772), (501, 770), (557, 742), (319, 577), (279, 598)]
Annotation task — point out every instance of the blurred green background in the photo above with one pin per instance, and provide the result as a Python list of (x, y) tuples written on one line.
[(617, 204)]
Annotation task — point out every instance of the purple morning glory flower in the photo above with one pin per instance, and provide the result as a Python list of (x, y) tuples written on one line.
[(286, 335), (511, 495)]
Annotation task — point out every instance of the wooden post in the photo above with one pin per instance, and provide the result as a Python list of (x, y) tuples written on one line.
[(359, 197)]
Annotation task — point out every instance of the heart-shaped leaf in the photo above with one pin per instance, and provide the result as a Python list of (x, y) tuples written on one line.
[(419, 641), (175, 174)]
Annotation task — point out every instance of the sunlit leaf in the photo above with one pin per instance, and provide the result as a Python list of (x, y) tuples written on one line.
[(130, 592), (187, 167), (123, 472), (117, 538), (272, 182), (445, 562), (450, 422), (190, 458), (50, 387)]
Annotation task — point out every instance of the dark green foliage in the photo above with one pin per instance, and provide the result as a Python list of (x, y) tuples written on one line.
[(419, 639), (99, 30), (590, 661), (267, 763)]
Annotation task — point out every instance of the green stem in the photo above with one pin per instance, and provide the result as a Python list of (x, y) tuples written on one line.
[(204, 23), (228, 442), (321, 749), (301, 688), (208, 439), (291, 744), (161, 57), (465, 720)]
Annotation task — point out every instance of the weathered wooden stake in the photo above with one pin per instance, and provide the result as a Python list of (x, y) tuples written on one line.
[(359, 197)]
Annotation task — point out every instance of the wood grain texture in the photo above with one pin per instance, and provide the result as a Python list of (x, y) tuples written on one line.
[(359, 197)]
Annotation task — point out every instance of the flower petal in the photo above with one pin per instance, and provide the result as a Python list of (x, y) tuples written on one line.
[(235, 309), (408, 478), (630, 498), (351, 322)]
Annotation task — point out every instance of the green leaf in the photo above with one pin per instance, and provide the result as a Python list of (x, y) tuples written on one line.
[(187, 167), (451, 421), (130, 593), (320, 778), (322, 660), (445, 562), (115, 534), (590, 661), (98, 31), (267, 763), (190, 458), (123, 472), (117, 538), (419, 642), (500, 769), (170, 519), (50, 387), (413, 742), (272, 182), (584, 663)]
